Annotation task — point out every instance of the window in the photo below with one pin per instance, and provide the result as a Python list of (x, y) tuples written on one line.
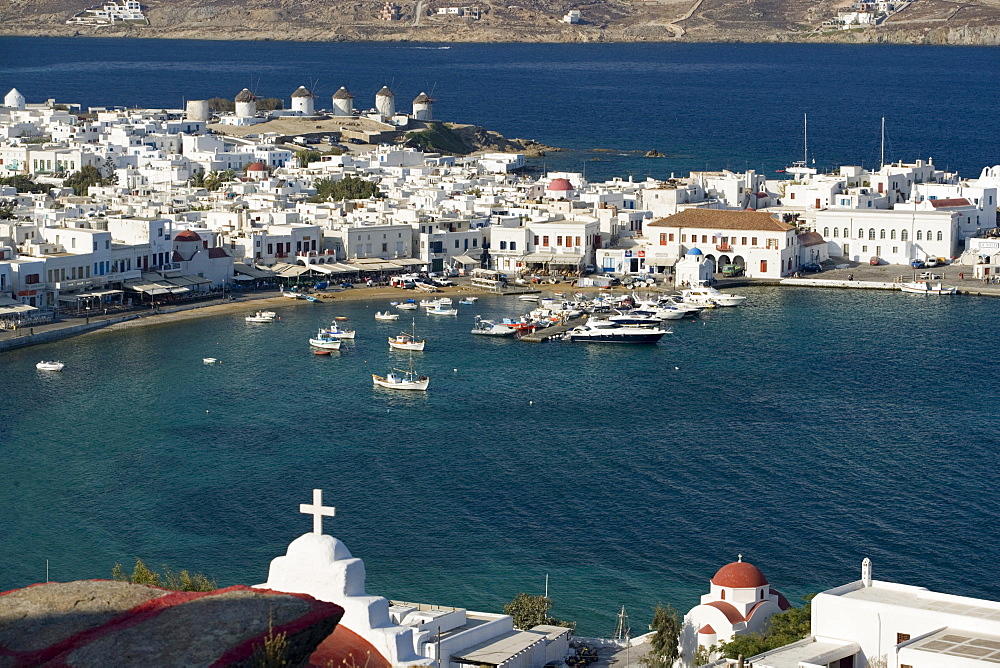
[(861, 234), (663, 239), (385, 248), (577, 241), (683, 238), (920, 235), (671, 236), (456, 243), (513, 245), (929, 235), (475, 243), (847, 250), (826, 232), (772, 243), (836, 232), (892, 234), (545, 240), (704, 238), (536, 239), (895, 249), (743, 241), (270, 249), (864, 249), (846, 234), (31, 279), (881, 234), (904, 235), (940, 236), (558, 241), (753, 241)]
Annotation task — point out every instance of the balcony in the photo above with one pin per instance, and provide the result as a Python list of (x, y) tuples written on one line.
[(725, 248)]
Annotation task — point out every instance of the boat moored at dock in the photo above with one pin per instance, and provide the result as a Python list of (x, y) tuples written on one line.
[(607, 331), (926, 288)]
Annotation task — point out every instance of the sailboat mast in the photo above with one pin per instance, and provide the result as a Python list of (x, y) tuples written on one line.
[(882, 163), (805, 140)]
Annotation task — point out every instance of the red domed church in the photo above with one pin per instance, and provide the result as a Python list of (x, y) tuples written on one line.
[(740, 600)]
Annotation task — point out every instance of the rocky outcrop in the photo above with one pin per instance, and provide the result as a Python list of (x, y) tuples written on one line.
[(104, 623)]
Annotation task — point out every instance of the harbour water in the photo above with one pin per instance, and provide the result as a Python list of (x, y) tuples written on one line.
[(806, 430), (705, 106)]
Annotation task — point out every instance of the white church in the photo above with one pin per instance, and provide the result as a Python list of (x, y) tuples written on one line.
[(377, 633), (740, 600)]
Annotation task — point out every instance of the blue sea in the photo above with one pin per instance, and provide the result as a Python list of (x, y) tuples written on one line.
[(705, 106), (806, 430)]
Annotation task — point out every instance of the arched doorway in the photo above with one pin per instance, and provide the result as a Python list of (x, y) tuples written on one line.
[(710, 261), (739, 261), (724, 260)]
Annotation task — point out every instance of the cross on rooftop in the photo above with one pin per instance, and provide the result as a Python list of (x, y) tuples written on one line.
[(317, 510), (739, 557)]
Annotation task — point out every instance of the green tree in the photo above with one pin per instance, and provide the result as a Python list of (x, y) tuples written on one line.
[(89, 175), (221, 104), (666, 627), (270, 103), (349, 187), (183, 581), (529, 611), (307, 156), (7, 210), (783, 629), (24, 184), (197, 179)]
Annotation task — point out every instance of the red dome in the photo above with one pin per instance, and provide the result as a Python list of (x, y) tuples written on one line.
[(560, 184), (739, 575), (187, 235), (256, 167)]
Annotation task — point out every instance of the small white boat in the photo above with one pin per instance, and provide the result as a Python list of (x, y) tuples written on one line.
[(379, 315), (407, 306), (441, 309), (209, 360), (491, 328), (407, 341), (262, 316), (398, 379), (50, 366), (708, 295), (528, 298), (324, 342), (292, 295), (925, 288), (468, 301), (334, 331)]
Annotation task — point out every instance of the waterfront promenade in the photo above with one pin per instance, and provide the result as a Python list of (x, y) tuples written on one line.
[(860, 276)]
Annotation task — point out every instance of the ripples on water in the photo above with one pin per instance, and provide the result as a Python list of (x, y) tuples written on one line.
[(807, 430)]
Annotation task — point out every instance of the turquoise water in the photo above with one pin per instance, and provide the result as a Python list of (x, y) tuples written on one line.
[(806, 430)]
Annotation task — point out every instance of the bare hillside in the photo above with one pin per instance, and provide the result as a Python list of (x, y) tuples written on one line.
[(923, 21)]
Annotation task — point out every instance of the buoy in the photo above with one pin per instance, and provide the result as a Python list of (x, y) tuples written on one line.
[(455, 370), (531, 403)]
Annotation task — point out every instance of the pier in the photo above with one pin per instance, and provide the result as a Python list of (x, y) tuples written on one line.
[(553, 332)]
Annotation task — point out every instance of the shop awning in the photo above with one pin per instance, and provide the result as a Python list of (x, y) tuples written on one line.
[(538, 257), (10, 306), (252, 271), (408, 261), (466, 259), (566, 258)]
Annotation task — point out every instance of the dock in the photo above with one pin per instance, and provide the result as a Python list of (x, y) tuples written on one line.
[(553, 332)]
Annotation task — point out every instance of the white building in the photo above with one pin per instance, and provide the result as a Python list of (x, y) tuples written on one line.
[(905, 626), (303, 101), (740, 601), (385, 102), (343, 103)]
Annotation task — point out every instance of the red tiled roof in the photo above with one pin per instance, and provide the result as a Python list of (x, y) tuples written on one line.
[(782, 601), (187, 235), (947, 203), (739, 575), (177, 257), (217, 252), (731, 613), (724, 219), (344, 647), (754, 609), (707, 628)]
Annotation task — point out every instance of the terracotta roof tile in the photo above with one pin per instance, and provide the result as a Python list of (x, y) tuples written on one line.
[(724, 219), (948, 203), (731, 613)]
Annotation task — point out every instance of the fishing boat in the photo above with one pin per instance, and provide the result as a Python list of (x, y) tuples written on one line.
[(379, 315), (209, 360), (262, 316), (335, 331), (407, 341), (321, 351), (468, 301), (926, 288), (606, 331), (50, 366), (528, 298), (491, 328), (310, 298), (442, 309), (292, 295), (408, 305), (398, 379), (325, 342)]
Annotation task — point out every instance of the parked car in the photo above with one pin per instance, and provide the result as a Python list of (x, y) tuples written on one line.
[(931, 262), (589, 269), (811, 267), (917, 264), (874, 261), (731, 270)]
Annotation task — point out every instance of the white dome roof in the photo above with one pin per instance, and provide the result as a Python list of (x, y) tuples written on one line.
[(14, 99)]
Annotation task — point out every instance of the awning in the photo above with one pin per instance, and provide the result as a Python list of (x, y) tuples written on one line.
[(566, 258), (339, 268), (538, 257), (289, 270), (408, 261), (465, 259), (243, 279), (178, 291), (662, 260), (10, 306), (322, 268), (252, 271)]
